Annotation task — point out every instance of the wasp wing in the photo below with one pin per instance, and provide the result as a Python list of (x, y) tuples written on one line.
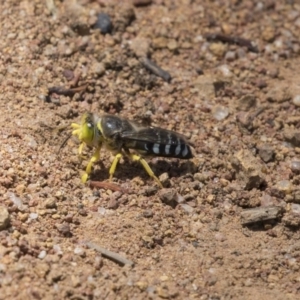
[(157, 141)]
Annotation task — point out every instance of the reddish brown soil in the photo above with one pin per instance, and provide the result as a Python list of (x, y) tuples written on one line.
[(237, 100)]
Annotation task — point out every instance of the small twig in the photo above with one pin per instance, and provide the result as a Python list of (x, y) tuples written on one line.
[(155, 69), (60, 90), (232, 40), (107, 185), (110, 255)]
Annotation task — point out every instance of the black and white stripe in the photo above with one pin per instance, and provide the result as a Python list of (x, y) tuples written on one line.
[(158, 142), (182, 151)]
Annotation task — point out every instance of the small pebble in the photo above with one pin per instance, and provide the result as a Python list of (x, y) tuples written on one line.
[(140, 46), (296, 100), (220, 237), (42, 254), (98, 264), (103, 23), (16, 201), (142, 285), (241, 53), (284, 186), (33, 216), (165, 179), (220, 113), (101, 210), (4, 218), (268, 34), (68, 74), (295, 166), (260, 83), (279, 93), (50, 203), (113, 203), (148, 213), (188, 209), (295, 208), (57, 249), (98, 68), (218, 49), (64, 229), (266, 153), (168, 196), (225, 71), (246, 102), (230, 56), (56, 216), (172, 45), (23, 217), (141, 2), (79, 251), (266, 200)]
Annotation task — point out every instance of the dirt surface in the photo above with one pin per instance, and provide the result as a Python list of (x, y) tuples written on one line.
[(225, 74)]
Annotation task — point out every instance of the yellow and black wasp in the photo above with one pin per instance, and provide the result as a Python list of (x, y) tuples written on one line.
[(127, 138)]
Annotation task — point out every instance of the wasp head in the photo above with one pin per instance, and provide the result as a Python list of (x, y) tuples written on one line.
[(86, 130)]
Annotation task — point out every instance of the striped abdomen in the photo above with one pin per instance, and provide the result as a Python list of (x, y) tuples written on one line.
[(183, 151), (160, 142)]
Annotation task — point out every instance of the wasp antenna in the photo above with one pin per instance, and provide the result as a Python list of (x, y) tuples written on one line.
[(64, 143)]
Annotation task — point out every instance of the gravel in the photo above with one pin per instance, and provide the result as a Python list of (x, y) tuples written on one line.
[(224, 76)]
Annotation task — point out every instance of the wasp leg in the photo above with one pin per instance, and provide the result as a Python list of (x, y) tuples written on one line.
[(77, 132), (88, 169), (114, 165), (80, 149), (75, 125), (136, 157), (77, 128)]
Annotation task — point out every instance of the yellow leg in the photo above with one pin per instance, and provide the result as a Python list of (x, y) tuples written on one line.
[(88, 169), (114, 165), (75, 125), (80, 149), (136, 157), (77, 130)]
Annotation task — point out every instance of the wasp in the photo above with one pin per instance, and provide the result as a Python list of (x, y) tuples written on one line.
[(123, 137)]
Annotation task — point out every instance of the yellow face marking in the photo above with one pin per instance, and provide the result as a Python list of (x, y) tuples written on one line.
[(84, 131)]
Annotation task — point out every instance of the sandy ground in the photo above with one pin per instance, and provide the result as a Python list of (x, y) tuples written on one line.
[(225, 74)]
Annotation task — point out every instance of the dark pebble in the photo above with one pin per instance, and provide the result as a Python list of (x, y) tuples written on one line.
[(113, 203), (168, 196), (260, 83), (68, 74), (103, 23), (148, 213), (64, 229), (266, 153), (138, 3)]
